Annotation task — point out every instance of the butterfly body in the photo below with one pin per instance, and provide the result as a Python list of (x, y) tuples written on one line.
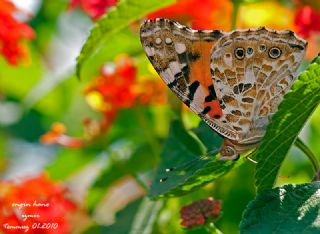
[(233, 80)]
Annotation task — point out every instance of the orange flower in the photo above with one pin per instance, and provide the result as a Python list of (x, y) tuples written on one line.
[(114, 87), (32, 201), (152, 92), (12, 32), (111, 91), (117, 87), (206, 14), (94, 8), (57, 135)]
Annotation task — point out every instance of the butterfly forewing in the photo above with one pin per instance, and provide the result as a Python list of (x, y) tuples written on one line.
[(181, 56)]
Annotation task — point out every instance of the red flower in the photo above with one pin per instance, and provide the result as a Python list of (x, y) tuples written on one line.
[(114, 88), (307, 21), (34, 200), (200, 212), (94, 8), (12, 33), (206, 14)]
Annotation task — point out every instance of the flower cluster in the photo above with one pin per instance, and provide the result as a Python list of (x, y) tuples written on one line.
[(12, 34), (200, 212), (114, 88), (94, 8), (117, 87), (32, 201)]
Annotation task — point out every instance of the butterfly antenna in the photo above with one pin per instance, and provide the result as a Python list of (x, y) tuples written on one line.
[(186, 165), (251, 154)]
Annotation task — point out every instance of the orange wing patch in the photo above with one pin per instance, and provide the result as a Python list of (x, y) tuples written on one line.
[(200, 71)]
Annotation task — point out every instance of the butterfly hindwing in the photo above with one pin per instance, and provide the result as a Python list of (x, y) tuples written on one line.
[(252, 71)]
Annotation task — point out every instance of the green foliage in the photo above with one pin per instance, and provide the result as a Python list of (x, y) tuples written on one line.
[(125, 160), (288, 209), (45, 21), (126, 12), (183, 152), (122, 42), (286, 124), (69, 162), (138, 141)]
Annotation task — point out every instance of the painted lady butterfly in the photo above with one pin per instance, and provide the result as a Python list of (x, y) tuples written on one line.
[(233, 80)]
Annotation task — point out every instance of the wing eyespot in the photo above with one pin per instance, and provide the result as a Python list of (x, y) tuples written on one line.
[(239, 53), (274, 52), (249, 50), (262, 48)]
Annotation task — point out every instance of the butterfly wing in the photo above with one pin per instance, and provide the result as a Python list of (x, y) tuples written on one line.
[(252, 70), (181, 56)]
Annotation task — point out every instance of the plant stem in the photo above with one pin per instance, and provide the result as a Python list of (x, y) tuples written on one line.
[(235, 11), (211, 228), (146, 131), (313, 159)]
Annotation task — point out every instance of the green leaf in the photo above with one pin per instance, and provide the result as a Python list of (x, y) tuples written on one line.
[(292, 114), (116, 19), (124, 41), (182, 152), (145, 216), (288, 209)]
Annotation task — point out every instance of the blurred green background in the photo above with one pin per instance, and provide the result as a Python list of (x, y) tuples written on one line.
[(104, 149)]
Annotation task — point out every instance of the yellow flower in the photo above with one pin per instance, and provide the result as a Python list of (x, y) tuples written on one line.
[(270, 14)]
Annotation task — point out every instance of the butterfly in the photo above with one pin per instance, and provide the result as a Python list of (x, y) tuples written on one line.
[(234, 81)]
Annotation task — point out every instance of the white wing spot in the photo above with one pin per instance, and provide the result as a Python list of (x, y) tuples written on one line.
[(168, 40), (180, 48), (228, 59), (158, 41)]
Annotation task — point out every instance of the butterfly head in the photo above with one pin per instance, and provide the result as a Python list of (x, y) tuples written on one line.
[(228, 151)]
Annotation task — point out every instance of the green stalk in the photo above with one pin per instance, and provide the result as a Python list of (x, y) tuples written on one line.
[(313, 159), (146, 131), (211, 228)]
